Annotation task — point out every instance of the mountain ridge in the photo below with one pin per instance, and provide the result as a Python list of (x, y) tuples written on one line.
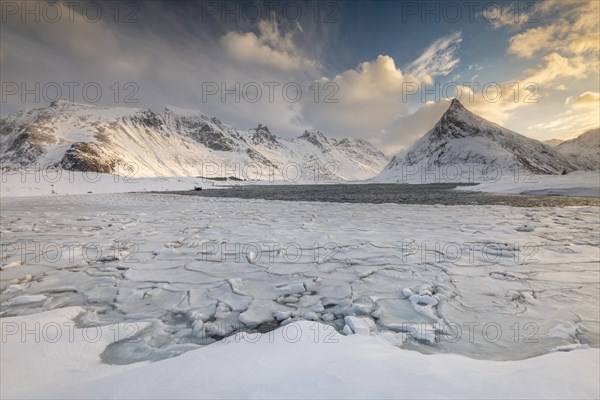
[(584, 150), (175, 142)]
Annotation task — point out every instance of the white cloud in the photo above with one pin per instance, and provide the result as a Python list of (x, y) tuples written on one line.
[(569, 124), (368, 97), (563, 49), (168, 65), (568, 43), (269, 48), (556, 66), (402, 132), (496, 105), (438, 59), (512, 15), (585, 99), (371, 103), (582, 115)]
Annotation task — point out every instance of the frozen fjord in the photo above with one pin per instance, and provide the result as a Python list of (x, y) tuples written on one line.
[(489, 282)]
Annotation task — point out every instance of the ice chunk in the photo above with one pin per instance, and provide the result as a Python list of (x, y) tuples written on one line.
[(198, 328), (251, 257), (165, 252), (328, 317), (360, 326), (292, 288), (281, 315), (564, 331), (310, 316), (425, 290), (258, 312), (14, 288), (525, 228), (10, 265), (290, 299), (236, 286), (424, 304), (571, 347), (347, 330), (25, 299)]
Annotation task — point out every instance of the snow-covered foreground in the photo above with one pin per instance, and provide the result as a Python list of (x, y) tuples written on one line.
[(574, 184), (178, 274), (300, 360)]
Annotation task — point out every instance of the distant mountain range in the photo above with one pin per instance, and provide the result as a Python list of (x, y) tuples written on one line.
[(553, 142), (176, 142), (180, 142), (462, 146)]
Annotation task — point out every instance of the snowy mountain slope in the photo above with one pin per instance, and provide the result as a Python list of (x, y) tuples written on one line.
[(465, 147), (175, 143), (584, 150), (553, 142)]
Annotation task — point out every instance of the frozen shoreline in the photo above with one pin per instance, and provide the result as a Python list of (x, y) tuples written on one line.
[(585, 184), (42, 183), (23, 183)]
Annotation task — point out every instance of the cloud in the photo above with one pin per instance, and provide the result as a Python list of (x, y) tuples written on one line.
[(556, 66), (85, 42), (371, 101), (528, 43), (572, 31), (570, 123), (167, 55), (562, 49), (566, 50), (585, 99), (269, 48), (512, 16), (366, 99), (438, 59), (583, 114), (404, 130), (497, 104)]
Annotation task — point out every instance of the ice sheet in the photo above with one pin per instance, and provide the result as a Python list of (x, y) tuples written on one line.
[(465, 280)]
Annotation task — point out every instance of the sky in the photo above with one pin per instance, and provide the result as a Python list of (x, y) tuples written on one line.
[(377, 70)]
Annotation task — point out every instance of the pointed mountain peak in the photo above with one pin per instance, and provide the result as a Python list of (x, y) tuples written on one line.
[(455, 103), (63, 102), (462, 138), (262, 135), (456, 106), (312, 133), (457, 118), (262, 128), (316, 138)]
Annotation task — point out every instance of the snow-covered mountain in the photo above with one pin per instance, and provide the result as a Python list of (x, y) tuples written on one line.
[(584, 150), (465, 147), (175, 142), (553, 142)]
